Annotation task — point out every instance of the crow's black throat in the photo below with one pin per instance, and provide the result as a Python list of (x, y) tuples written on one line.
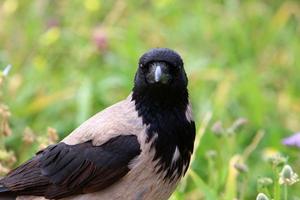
[(163, 108)]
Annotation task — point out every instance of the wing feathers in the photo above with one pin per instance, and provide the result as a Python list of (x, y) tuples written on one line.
[(63, 170)]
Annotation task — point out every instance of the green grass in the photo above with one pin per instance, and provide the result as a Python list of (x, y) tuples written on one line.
[(242, 59)]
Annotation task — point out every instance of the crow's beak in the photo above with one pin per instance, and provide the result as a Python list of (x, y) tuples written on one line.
[(158, 73)]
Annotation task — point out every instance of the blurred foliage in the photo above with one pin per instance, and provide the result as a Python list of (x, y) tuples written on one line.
[(72, 59)]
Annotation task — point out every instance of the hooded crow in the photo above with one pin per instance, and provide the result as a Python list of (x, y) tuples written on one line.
[(137, 149)]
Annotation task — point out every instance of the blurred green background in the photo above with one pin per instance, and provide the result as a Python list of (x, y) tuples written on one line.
[(73, 58)]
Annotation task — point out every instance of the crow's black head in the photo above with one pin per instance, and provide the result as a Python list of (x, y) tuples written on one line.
[(160, 69), (161, 99)]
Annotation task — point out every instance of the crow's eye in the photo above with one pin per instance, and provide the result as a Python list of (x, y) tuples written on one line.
[(174, 70), (144, 67)]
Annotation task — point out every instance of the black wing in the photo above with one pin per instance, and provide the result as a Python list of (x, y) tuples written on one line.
[(63, 170)]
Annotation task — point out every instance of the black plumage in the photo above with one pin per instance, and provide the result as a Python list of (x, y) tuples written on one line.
[(63, 170), (163, 108)]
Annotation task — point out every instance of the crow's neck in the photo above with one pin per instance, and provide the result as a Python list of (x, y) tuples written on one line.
[(158, 99), (163, 110)]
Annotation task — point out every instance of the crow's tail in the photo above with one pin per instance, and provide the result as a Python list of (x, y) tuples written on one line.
[(3, 189), (6, 194)]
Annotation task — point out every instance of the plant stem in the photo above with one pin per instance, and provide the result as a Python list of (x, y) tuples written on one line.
[(285, 192), (277, 195)]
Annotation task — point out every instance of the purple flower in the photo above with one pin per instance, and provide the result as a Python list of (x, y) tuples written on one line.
[(100, 39), (293, 140), (51, 23)]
